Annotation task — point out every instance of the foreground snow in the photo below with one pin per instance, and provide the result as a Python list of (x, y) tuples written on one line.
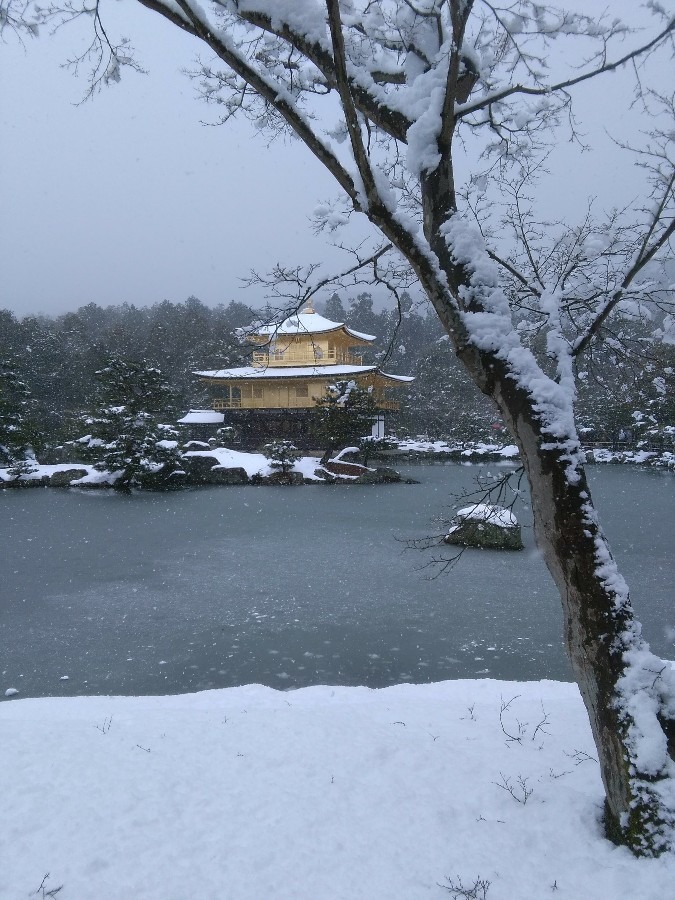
[(326, 793)]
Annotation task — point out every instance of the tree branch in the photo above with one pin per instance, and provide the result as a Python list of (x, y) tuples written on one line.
[(391, 121), (479, 104), (274, 94), (505, 264), (643, 258), (351, 118)]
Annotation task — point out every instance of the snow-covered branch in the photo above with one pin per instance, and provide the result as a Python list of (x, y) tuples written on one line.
[(499, 95)]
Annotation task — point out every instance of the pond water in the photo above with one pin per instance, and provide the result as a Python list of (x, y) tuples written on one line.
[(213, 587)]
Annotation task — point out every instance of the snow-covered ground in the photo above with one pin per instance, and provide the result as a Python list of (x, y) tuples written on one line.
[(475, 450), (252, 463), (325, 793), (41, 471), (258, 463), (662, 458), (459, 448)]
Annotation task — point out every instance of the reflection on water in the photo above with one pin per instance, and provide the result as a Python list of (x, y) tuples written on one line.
[(164, 593)]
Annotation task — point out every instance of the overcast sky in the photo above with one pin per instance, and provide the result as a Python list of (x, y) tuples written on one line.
[(128, 198)]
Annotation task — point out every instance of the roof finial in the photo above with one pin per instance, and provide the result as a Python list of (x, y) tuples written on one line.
[(309, 309)]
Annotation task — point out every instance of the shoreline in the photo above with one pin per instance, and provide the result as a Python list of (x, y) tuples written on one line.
[(233, 467)]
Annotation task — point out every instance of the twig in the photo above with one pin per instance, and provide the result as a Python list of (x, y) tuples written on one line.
[(476, 891), (520, 792)]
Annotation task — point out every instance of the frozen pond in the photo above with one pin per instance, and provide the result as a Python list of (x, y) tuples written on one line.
[(212, 587)]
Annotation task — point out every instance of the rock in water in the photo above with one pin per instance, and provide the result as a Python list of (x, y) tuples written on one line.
[(485, 526)]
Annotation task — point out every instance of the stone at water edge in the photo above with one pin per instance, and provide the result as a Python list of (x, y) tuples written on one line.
[(64, 477), (278, 478), (207, 469)]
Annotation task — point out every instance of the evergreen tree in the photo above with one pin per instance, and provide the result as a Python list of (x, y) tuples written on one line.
[(334, 310), (362, 317), (343, 416), (18, 433), (370, 446), (621, 399), (282, 455), (126, 435)]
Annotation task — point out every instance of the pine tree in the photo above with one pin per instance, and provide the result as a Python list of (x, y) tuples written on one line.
[(282, 455), (334, 310), (369, 446), (343, 416), (126, 436), (18, 432)]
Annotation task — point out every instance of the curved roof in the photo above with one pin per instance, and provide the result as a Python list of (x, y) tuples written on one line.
[(256, 372), (311, 323)]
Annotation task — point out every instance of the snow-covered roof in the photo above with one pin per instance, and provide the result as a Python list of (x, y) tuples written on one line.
[(202, 417), (335, 372), (310, 323)]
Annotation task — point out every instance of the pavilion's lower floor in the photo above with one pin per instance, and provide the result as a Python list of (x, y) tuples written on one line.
[(253, 428)]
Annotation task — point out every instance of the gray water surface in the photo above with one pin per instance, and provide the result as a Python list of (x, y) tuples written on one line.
[(213, 587)]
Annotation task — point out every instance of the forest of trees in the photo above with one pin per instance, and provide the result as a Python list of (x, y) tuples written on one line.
[(55, 360)]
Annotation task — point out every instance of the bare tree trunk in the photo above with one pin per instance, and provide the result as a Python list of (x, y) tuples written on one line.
[(599, 626), (617, 676)]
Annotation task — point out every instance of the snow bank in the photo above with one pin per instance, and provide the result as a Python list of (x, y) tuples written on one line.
[(252, 463), (257, 463), (458, 449), (471, 449), (325, 793), (660, 459), (41, 472)]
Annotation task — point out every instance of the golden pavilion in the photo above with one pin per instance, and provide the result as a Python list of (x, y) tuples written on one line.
[(293, 365)]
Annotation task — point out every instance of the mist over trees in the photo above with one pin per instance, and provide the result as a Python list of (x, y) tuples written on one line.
[(56, 360), (60, 356)]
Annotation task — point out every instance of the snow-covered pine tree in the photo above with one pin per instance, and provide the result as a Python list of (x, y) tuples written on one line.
[(19, 435), (282, 455), (126, 437), (343, 415), (334, 309)]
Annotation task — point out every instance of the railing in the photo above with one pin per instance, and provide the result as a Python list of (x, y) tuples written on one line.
[(286, 403), (317, 357), (275, 402)]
